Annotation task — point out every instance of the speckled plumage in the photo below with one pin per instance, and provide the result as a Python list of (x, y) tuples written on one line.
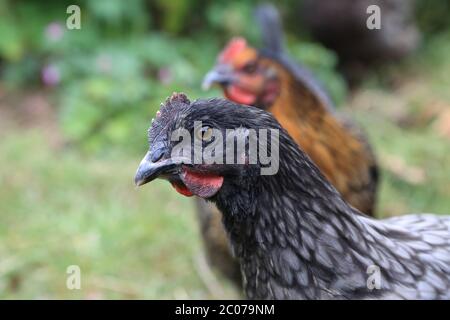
[(337, 145), (296, 238)]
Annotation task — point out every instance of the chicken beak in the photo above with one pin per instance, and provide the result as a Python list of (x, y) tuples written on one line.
[(149, 171), (221, 74)]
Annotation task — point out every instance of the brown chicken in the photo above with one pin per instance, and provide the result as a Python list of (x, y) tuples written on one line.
[(268, 79)]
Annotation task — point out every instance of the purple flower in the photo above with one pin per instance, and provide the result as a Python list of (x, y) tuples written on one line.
[(50, 75), (54, 31), (165, 76), (104, 63)]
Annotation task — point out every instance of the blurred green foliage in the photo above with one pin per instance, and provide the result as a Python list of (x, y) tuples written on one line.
[(110, 77), (433, 16)]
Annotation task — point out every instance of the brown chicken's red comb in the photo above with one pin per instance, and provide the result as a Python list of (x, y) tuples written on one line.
[(233, 47)]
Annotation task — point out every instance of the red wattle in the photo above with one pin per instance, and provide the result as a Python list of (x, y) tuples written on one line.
[(201, 184), (180, 188)]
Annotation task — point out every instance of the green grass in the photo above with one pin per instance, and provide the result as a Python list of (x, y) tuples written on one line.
[(58, 208), (418, 148), (425, 80)]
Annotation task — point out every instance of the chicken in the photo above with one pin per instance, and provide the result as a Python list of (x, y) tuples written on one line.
[(342, 26), (294, 235), (270, 80)]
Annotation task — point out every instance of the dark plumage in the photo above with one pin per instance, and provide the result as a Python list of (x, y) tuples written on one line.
[(294, 235), (269, 79), (342, 26)]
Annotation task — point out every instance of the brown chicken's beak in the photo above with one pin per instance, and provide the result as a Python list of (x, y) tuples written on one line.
[(149, 171), (221, 74)]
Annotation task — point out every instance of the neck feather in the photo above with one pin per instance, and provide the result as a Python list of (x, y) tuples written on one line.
[(298, 229)]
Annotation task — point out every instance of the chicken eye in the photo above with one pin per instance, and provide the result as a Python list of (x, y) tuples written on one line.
[(204, 133), (250, 67)]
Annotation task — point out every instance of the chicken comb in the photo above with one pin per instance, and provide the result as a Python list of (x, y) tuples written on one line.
[(179, 97), (172, 104), (168, 110), (233, 47)]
